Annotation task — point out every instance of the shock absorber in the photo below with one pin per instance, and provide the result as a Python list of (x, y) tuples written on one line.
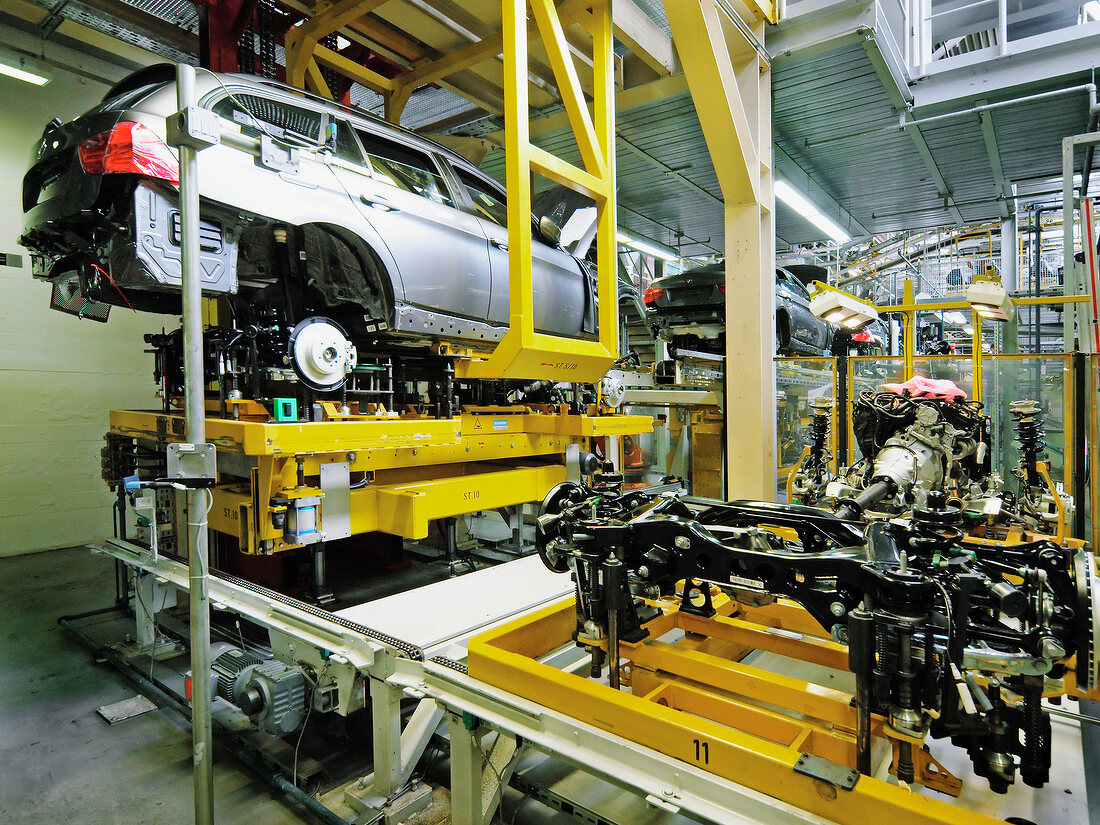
[(819, 431), (1029, 435)]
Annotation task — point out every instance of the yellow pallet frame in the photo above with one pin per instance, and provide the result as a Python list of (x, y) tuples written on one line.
[(699, 706)]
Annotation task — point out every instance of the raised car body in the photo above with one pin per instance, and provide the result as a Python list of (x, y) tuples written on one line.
[(392, 233), (688, 310)]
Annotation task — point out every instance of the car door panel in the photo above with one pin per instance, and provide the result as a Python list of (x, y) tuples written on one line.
[(559, 289), (441, 253)]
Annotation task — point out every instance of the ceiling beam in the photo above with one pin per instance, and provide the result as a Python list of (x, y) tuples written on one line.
[(942, 188), (162, 31), (989, 134), (789, 169), (478, 52), (636, 30)]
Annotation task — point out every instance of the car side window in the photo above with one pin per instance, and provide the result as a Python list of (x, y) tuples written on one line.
[(404, 167), (344, 145), (256, 115), (487, 202)]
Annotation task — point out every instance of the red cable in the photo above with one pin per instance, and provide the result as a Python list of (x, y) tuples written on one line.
[(112, 280)]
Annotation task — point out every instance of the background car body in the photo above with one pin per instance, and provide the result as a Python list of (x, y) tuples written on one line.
[(396, 229), (688, 310)]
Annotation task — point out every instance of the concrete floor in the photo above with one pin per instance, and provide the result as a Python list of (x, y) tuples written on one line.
[(59, 761)]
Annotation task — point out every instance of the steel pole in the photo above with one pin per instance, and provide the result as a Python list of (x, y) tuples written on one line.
[(1069, 270), (195, 413)]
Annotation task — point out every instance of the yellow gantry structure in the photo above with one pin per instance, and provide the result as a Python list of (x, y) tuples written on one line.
[(729, 75), (523, 352)]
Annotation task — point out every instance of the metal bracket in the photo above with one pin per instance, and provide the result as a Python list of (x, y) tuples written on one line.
[(195, 127), (843, 777), (192, 461), (277, 158)]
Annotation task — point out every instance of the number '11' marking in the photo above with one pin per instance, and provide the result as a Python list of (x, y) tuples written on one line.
[(702, 751)]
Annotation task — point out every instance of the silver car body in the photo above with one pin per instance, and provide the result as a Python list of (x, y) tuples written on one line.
[(445, 253)]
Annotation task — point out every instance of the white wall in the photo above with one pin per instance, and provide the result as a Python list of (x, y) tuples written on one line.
[(59, 376)]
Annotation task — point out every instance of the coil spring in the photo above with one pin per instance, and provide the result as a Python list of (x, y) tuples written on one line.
[(820, 429), (1029, 430)]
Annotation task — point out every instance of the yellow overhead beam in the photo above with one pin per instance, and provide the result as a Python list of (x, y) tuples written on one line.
[(316, 80), (327, 17), (360, 74), (636, 29)]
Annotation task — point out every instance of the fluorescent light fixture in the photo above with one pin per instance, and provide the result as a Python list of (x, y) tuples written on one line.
[(20, 69), (647, 246), (956, 318), (840, 307), (969, 330), (797, 201), (989, 298)]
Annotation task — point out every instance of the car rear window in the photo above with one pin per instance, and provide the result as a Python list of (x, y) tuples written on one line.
[(404, 167), (280, 119)]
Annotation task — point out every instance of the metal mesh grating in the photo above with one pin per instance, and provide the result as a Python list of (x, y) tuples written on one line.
[(67, 297), (112, 26)]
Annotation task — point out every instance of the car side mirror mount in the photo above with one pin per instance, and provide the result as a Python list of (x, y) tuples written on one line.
[(550, 230)]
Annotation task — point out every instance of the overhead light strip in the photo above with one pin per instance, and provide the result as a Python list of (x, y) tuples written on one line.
[(23, 74), (798, 202)]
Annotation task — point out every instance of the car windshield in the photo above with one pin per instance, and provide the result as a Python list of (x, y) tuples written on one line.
[(793, 284)]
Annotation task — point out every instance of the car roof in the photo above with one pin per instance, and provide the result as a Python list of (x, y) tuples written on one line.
[(208, 82)]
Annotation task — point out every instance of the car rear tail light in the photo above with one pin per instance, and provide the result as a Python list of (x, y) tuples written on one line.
[(862, 336), (722, 288), (652, 295), (129, 149)]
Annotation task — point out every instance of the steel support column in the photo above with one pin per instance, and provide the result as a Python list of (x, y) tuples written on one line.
[(729, 76), (197, 500)]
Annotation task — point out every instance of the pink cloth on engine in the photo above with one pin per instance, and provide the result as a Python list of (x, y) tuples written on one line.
[(921, 387)]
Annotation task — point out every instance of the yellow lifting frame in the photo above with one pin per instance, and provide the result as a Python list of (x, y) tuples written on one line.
[(523, 352)]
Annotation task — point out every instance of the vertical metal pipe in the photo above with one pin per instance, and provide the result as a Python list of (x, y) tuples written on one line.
[(1007, 372), (1002, 26), (195, 415), (1069, 280)]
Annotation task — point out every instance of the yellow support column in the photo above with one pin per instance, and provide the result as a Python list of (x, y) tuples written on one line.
[(729, 76)]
